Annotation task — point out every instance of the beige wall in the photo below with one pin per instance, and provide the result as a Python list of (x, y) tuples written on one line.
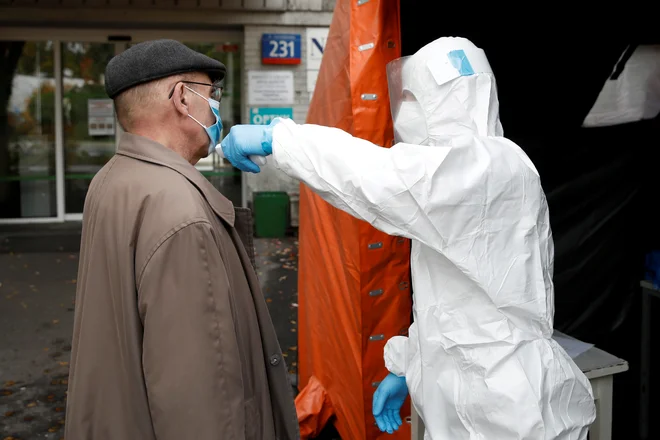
[(270, 179)]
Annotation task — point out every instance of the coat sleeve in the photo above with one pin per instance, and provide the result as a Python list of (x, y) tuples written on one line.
[(388, 187), (191, 362)]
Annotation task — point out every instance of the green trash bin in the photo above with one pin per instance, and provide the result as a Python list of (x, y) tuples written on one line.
[(271, 212)]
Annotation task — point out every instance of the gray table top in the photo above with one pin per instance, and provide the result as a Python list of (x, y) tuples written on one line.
[(596, 363)]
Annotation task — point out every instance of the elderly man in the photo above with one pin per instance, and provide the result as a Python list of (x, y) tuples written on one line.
[(172, 336)]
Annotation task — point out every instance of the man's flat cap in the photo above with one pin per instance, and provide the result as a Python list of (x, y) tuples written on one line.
[(154, 60)]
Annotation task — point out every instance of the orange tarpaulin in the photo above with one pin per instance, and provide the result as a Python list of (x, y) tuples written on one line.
[(354, 284)]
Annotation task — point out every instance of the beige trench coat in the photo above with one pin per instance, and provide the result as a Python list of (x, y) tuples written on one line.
[(172, 338)]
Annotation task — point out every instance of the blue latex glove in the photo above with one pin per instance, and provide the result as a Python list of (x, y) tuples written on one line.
[(244, 141), (388, 400)]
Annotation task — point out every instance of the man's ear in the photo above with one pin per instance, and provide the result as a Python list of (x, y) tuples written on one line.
[(181, 99)]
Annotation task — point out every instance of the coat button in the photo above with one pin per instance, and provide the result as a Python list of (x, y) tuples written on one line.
[(275, 359)]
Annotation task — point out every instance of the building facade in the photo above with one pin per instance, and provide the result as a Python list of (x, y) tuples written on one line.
[(57, 126)]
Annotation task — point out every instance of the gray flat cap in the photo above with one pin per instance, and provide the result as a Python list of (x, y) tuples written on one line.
[(154, 60)]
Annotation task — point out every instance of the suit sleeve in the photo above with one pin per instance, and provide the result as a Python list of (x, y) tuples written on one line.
[(390, 188), (191, 361), (400, 350)]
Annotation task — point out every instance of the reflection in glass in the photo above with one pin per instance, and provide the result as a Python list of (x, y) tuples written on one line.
[(27, 130), (89, 122)]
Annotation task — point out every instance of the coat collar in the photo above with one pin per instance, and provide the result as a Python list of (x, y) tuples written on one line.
[(146, 150)]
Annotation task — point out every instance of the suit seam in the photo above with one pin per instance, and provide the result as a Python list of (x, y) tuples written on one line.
[(164, 238)]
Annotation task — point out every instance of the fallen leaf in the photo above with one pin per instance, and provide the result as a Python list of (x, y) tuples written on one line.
[(293, 348), (64, 364), (293, 364), (9, 413), (64, 382), (285, 355), (6, 393), (293, 322), (46, 349), (24, 305), (10, 383), (59, 409), (293, 330), (54, 429), (51, 397), (294, 305), (56, 321), (31, 404), (268, 300)]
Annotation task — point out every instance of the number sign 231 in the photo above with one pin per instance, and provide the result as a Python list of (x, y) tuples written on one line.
[(280, 49)]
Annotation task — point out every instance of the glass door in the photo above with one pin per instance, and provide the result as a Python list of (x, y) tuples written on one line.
[(89, 126), (57, 125), (28, 189)]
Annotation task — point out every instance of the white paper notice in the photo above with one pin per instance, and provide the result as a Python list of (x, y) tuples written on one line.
[(268, 87), (100, 117), (573, 347)]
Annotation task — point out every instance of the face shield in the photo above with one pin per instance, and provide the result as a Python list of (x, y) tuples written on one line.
[(407, 112), (418, 86)]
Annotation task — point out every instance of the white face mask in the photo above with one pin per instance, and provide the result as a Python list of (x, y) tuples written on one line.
[(410, 124)]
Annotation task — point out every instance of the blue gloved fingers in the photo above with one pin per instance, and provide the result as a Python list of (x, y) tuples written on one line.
[(249, 166), (392, 417), (396, 418), (384, 423), (380, 421), (378, 401), (389, 421)]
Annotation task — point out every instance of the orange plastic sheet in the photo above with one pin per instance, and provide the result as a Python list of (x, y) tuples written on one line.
[(314, 409), (354, 283)]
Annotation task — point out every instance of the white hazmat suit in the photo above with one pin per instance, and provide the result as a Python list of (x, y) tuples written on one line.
[(479, 360)]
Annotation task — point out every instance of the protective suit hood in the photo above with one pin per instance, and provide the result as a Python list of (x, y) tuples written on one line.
[(445, 90)]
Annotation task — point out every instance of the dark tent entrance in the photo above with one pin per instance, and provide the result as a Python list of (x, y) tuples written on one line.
[(600, 181)]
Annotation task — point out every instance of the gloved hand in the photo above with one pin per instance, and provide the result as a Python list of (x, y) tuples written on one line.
[(244, 141), (388, 400)]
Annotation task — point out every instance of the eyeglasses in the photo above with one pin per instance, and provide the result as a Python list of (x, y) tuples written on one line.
[(216, 90)]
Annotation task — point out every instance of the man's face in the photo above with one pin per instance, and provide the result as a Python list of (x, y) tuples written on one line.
[(191, 99)]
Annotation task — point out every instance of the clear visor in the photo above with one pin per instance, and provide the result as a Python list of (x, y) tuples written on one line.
[(395, 79)]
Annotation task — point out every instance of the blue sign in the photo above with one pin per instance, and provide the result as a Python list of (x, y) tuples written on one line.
[(264, 115), (280, 49)]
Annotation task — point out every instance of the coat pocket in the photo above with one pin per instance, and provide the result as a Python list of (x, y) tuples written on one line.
[(252, 420)]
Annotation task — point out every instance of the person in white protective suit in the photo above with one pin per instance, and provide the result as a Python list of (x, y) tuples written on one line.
[(479, 360)]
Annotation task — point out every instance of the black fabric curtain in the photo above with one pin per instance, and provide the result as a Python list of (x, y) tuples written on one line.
[(601, 183)]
